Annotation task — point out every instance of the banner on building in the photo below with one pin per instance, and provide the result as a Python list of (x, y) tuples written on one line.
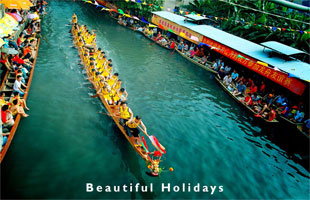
[(283, 79)]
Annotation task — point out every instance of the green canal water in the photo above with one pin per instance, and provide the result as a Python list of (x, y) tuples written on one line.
[(210, 140)]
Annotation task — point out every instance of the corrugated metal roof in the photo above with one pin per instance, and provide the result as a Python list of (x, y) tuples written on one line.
[(295, 67), (281, 48)]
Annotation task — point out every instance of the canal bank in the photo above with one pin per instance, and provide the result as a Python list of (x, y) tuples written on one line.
[(209, 139)]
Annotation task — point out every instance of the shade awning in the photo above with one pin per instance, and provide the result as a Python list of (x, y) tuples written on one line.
[(195, 17), (281, 48)]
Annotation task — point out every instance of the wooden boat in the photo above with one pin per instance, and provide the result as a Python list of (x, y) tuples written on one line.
[(293, 125), (206, 67), (7, 88), (289, 122), (156, 42), (247, 107), (299, 128), (112, 112)]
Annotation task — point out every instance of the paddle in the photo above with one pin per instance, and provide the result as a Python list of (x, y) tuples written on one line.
[(95, 96), (151, 43), (172, 52), (109, 114)]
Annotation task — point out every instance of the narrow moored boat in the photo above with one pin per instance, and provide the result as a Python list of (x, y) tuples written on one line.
[(7, 88), (206, 67), (246, 106)]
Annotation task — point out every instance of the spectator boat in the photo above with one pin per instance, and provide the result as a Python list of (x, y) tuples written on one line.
[(7, 88), (248, 108), (195, 61)]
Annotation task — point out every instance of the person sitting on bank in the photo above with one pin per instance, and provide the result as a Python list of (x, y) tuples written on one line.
[(214, 66), (180, 46), (240, 89), (21, 102), (132, 127), (268, 99), (227, 69), (6, 116), (253, 89), (200, 52), (299, 116), (2, 100), (158, 36), (185, 47), (163, 41), (221, 74), (234, 75), (125, 113), (255, 99), (172, 44), (247, 100), (17, 109), (280, 100), (227, 80), (203, 60), (262, 88), (18, 86), (150, 33)]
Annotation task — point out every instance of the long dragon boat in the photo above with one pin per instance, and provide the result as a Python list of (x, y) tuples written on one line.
[(7, 88), (152, 158)]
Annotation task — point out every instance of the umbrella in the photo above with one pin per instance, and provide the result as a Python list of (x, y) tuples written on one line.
[(15, 16), (9, 51), (15, 4), (32, 16)]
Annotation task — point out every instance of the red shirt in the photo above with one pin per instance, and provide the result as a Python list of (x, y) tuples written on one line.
[(262, 88), (248, 98), (18, 60), (172, 45), (253, 89), (26, 51), (19, 42), (3, 116)]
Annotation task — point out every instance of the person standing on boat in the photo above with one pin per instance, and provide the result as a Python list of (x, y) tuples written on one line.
[(125, 113), (132, 126)]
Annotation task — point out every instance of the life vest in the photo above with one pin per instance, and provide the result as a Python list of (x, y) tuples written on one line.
[(124, 113), (271, 117), (133, 124), (116, 97)]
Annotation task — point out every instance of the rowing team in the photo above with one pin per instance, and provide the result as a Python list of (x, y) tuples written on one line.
[(105, 82)]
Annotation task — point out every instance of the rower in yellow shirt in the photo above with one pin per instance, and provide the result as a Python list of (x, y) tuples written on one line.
[(105, 92), (74, 19)]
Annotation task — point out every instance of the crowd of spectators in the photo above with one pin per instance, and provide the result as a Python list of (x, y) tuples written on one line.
[(17, 59)]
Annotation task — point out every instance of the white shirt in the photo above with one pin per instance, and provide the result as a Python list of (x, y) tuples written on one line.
[(17, 85)]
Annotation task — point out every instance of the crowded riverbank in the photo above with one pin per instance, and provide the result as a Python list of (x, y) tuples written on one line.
[(206, 133)]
